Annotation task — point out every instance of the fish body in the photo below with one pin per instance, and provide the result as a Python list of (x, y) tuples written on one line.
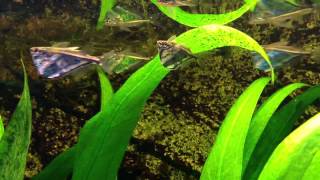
[(177, 3), (120, 62), (56, 62), (276, 7), (284, 20), (124, 19), (279, 54), (53, 62), (173, 55)]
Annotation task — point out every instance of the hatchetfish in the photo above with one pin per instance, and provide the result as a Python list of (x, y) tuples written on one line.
[(186, 3), (173, 55), (283, 20), (55, 62), (177, 2), (279, 54), (124, 19), (281, 13), (120, 62)]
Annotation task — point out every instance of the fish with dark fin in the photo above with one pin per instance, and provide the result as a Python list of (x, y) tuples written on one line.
[(53, 62), (56, 62)]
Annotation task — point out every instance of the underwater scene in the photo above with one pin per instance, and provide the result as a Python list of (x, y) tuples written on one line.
[(159, 89)]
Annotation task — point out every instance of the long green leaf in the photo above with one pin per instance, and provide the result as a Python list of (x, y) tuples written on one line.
[(100, 153), (106, 89), (226, 158), (106, 5), (278, 127), (16, 139), (62, 166), (196, 20), (263, 115), (293, 156), (206, 38), (1, 128)]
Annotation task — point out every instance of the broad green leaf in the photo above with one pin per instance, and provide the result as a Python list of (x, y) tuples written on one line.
[(294, 155), (278, 127), (60, 168), (197, 20), (106, 5), (226, 157), (16, 139), (206, 38), (100, 153), (263, 115), (1, 128), (313, 170)]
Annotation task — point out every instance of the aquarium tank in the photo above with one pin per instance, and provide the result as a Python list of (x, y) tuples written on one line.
[(160, 89)]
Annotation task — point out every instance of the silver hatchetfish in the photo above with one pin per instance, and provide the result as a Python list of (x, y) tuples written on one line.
[(283, 20), (279, 54), (187, 3), (177, 2), (124, 19), (173, 55), (123, 61), (281, 13), (56, 62), (276, 7)]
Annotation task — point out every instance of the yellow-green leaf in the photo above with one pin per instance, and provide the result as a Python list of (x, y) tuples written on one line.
[(226, 157), (294, 155)]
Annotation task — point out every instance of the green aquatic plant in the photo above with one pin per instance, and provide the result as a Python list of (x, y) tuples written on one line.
[(196, 20), (1, 128), (16, 138), (104, 138), (258, 144), (105, 7)]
